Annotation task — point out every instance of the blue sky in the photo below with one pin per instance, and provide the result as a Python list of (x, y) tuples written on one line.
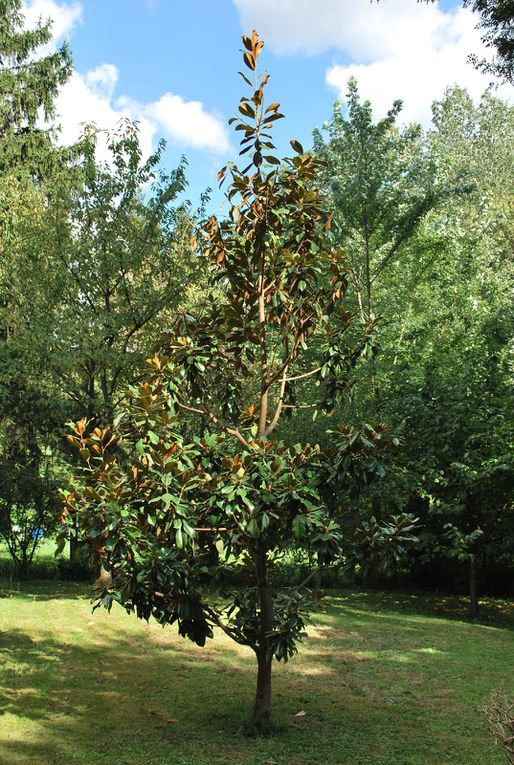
[(173, 65)]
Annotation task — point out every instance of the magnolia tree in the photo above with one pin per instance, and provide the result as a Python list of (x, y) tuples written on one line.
[(190, 480)]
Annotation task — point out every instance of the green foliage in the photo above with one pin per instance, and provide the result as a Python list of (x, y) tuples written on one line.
[(29, 406), (382, 547), (178, 517), (444, 377), (30, 418), (93, 263), (441, 382), (359, 456)]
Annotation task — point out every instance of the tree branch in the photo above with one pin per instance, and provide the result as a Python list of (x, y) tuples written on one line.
[(231, 431), (280, 404), (303, 376), (234, 432), (232, 632)]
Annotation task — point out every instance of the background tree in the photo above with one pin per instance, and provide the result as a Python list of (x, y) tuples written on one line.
[(28, 404), (115, 267), (29, 468), (94, 259), (444, 373), (104, 271), (29, 83), (380, 183)]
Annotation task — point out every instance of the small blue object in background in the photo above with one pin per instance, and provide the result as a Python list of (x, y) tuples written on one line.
[(37, 534)]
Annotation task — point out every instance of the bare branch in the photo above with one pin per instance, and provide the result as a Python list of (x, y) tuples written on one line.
[(197, 411), (303, 376), (300, 406), (234, 432), (278, 410)]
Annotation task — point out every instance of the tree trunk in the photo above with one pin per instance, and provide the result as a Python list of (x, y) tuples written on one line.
[(74, 541), (473, 588), (23, 568), (74, 548), (262, 706), (318, 582)]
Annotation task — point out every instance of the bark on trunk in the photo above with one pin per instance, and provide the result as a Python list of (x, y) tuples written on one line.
[(262, 707), (318, 583), (73, 548), (473, 588)]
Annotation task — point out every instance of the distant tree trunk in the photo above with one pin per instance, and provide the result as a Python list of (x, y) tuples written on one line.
[(317, 593), (74, 544), (473, 588), (318, 582), (23, 567), (73, 548)]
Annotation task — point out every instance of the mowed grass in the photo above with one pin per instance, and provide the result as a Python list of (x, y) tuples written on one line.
[(383, 679)]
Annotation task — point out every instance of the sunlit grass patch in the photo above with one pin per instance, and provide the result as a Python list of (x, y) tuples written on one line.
[(383, 678)]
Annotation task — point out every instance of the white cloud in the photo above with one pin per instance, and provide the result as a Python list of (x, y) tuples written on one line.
[(365, 30), (86, 99), (102, 80), (419, 73), (396, 48), (65, 16), (90, 97), (188, 123)]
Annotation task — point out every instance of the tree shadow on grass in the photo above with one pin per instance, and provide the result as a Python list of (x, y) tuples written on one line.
[(111, 700), (45, 590), (129, 701), (430, 605), (128, 696)]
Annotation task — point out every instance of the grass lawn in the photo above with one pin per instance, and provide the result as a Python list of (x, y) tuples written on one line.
[(385, 679)]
